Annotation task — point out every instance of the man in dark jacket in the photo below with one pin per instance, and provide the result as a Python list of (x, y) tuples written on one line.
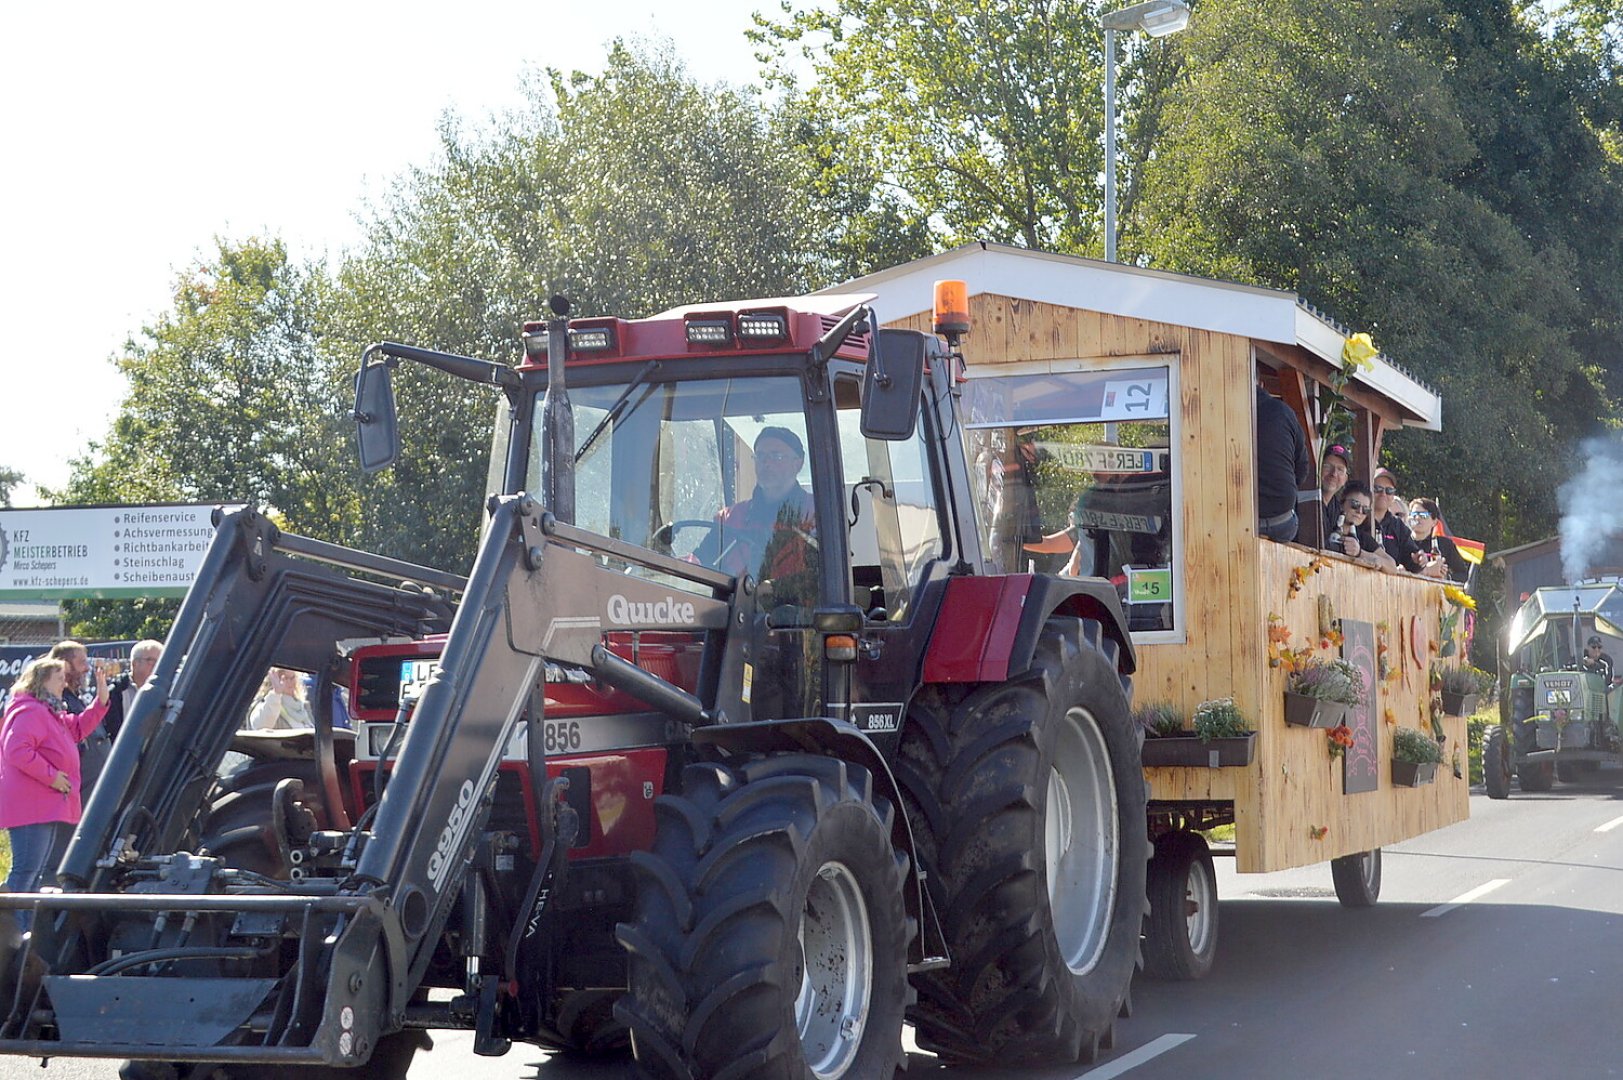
[(143, 658), (1283, 467), (1393, 530)]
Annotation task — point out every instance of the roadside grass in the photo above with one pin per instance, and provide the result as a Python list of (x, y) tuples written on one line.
[(1476, 730), (5, 854)]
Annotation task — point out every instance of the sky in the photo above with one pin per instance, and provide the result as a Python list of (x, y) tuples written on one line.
[(136, 134)]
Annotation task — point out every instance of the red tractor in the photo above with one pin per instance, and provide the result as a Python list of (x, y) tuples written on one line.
[(733, 744)]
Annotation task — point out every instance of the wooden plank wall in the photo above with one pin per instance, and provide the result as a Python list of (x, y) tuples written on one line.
[(1232, 580)]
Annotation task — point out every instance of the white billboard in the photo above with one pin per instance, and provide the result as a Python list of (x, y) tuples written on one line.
[(56, 553)]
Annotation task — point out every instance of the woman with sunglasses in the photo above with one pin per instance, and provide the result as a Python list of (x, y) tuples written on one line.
[(1354, 535), (1441, 557)]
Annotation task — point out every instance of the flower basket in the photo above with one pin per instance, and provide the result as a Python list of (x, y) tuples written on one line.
[(1413, 773), (1459, 704), (1304, 711), (1191, 751)]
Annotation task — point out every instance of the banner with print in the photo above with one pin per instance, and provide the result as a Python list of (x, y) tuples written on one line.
[(69, 552)]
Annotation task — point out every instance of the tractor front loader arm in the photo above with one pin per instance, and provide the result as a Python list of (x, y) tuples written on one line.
[(320, 968)]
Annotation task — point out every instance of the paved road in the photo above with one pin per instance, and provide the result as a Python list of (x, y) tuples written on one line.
[(1523, 980)]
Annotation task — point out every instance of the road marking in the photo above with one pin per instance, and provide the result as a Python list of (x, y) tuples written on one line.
[(1152, 1049), (1610, 825), (1465, 898)]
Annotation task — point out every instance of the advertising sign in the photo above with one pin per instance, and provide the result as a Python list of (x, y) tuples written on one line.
[(102, 551)]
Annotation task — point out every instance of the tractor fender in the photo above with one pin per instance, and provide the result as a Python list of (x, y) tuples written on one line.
[(838, 739), (992, 624)]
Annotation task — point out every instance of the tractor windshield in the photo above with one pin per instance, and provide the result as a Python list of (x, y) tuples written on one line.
[(714, 470)]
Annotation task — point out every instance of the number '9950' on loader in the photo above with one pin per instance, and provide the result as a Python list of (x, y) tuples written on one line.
[(732, 747)]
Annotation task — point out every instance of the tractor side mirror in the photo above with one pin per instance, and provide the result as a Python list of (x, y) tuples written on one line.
[(891, 383), (377, 434)]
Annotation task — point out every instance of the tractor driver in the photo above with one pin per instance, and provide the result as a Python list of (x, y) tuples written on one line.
[(1597, 660), (771, 534)]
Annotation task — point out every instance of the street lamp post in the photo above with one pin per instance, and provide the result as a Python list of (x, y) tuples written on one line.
[(1157, 18)]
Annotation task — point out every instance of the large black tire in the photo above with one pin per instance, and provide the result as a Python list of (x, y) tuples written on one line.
[(1535, 775), (237, 827), (1043, 947), (1357, 878), (1180, 932), (749, 863), (1496, 767)]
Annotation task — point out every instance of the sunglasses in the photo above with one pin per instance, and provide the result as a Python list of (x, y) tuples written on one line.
[(1413, 514), (1358, 508), (1379, 490)]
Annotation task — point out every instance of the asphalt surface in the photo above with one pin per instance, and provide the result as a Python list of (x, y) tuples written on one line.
[(1523, 978)]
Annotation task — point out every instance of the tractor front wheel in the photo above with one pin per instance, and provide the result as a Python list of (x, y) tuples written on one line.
[(770, 933), (1496, 766)]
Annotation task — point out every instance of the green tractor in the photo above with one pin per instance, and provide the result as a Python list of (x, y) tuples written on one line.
[(1564, 698)]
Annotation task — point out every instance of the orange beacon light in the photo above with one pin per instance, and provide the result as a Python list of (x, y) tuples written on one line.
[(951, 309)]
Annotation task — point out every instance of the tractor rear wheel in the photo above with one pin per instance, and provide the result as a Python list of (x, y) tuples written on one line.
[(1027, 803), (1180, 932), (1496, 763), (770, 933)]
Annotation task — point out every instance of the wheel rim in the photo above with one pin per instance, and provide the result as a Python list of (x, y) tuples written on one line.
[(1081, 841), (1200, 902), (836, 972)]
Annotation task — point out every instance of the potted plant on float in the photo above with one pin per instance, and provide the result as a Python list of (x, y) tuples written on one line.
[(1462, 688), (1320, 693), (1221, 738), (1415, 757)]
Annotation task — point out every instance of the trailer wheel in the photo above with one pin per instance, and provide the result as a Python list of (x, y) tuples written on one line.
[(770, 933), (1180, 932), (1535, 775), (1357, 878), (1496, 763), (1028, 809)]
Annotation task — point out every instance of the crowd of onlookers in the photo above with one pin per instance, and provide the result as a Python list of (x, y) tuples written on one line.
[(1374, 524), (56, 736)]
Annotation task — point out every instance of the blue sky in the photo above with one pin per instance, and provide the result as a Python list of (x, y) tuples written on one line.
[(137, 133)]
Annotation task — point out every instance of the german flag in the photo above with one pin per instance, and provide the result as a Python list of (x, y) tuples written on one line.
[(1470, 550)]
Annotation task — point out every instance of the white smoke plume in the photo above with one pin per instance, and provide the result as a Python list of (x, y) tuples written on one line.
[(1591, 512)]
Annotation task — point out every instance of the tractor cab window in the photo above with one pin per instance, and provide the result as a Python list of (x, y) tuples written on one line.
[(1074, 474), (710, 470), (894, 523)]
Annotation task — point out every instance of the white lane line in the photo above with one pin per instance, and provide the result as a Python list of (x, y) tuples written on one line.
[(1610, 825), (1152, 1049), (1465, 898)]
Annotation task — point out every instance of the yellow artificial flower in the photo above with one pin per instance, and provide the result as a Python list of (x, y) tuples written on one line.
[(1457, 596), (1359, 352)]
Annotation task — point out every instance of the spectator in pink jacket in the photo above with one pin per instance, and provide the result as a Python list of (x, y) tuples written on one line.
[(40, 800)]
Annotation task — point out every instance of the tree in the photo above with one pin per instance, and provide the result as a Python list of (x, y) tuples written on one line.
[(983, 119), (10, 480), (1409, 165)]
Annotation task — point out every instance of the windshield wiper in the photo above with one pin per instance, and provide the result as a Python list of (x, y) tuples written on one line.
[(614, 410)]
